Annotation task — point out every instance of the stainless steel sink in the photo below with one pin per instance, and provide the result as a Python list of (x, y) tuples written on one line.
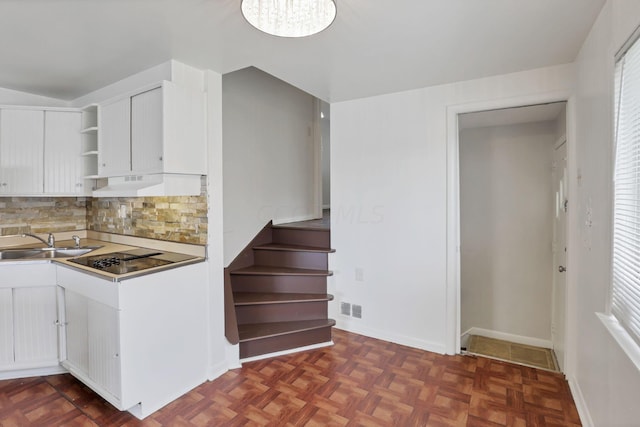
[(39, 253), (18, 253)]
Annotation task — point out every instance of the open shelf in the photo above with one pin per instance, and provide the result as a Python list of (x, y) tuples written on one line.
[(89, 148)]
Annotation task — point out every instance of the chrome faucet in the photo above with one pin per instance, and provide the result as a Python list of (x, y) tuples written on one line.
[(76, 240), (50, 242)]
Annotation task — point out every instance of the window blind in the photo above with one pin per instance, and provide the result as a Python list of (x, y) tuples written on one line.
[(625, 298)]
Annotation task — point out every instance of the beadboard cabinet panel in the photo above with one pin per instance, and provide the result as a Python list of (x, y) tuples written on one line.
[(6, 327), (21, 151), (76, 329), (146, 132), (29, 324), (104, 344), (114, 158), (62, 158), (35, 325)]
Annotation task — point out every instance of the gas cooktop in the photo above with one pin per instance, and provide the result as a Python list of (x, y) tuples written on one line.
[(130, 261)]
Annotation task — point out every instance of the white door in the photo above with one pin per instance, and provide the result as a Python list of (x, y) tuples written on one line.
[(115, 138), (35, 314), (62, 159), (6, 327), (559, 298), (146, 132), (21, 151), (104, 347), (77, 336)]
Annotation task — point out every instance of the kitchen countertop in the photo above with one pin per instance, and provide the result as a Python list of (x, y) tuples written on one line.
[(107, 247)]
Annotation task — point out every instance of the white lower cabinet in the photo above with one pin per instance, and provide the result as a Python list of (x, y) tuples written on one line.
[(6, 327), (92, 343), (35, 325), (139, 343), (29, 326)]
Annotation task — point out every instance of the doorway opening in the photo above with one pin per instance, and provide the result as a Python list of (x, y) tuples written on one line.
[(512, 206)]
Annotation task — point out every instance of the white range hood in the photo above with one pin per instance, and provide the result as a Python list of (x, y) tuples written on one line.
[(150, 185)]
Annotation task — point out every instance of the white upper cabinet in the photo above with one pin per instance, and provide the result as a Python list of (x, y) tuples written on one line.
[(114, 156), (63, 173), (40, 152), (146, 132), (21, 151), (161, 130)]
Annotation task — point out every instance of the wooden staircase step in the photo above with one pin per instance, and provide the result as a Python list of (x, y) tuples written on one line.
[(259, 331), (266, 270), (254, 298), (301, 236), (293, 248), (280, 284), (294, 226)]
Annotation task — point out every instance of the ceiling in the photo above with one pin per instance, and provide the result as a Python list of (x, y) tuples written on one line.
[(67, 48)]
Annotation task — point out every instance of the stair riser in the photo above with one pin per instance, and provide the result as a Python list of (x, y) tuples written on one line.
[(309, 260), (268, 313), (319, 238), (275, 284), (284, 342)]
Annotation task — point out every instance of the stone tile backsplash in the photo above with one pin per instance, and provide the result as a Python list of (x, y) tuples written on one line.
[(42, 214), (177, 219)]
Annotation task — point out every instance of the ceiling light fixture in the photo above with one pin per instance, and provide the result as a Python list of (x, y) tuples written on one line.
[(289, 18)]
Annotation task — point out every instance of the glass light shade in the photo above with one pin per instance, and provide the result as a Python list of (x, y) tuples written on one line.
[(289, 18)]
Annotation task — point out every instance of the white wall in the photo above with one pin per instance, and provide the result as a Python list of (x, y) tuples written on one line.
[(217, 349), (506, 223), (325, 132), (389, 202), (608, 384), (268, 155)]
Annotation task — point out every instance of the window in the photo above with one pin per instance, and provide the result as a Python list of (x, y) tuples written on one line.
[(625, 299)]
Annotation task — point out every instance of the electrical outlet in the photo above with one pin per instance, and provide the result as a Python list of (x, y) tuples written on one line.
[(123, 211), (345, 308), (356, 311)]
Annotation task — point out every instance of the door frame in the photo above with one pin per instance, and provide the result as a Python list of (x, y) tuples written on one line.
[(453, 331)]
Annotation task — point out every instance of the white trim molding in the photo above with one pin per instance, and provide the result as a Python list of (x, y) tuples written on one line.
[(518, 339), (581, 403), (622, 337), (452, 338), (285, 352)]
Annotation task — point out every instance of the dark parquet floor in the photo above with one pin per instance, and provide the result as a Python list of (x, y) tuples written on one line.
[(357, 382)]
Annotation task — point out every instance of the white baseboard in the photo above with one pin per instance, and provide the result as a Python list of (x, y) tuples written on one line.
[(346, 324), (34, 372), (581, 404), (285, 352), (217, 370), (518, 339)]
